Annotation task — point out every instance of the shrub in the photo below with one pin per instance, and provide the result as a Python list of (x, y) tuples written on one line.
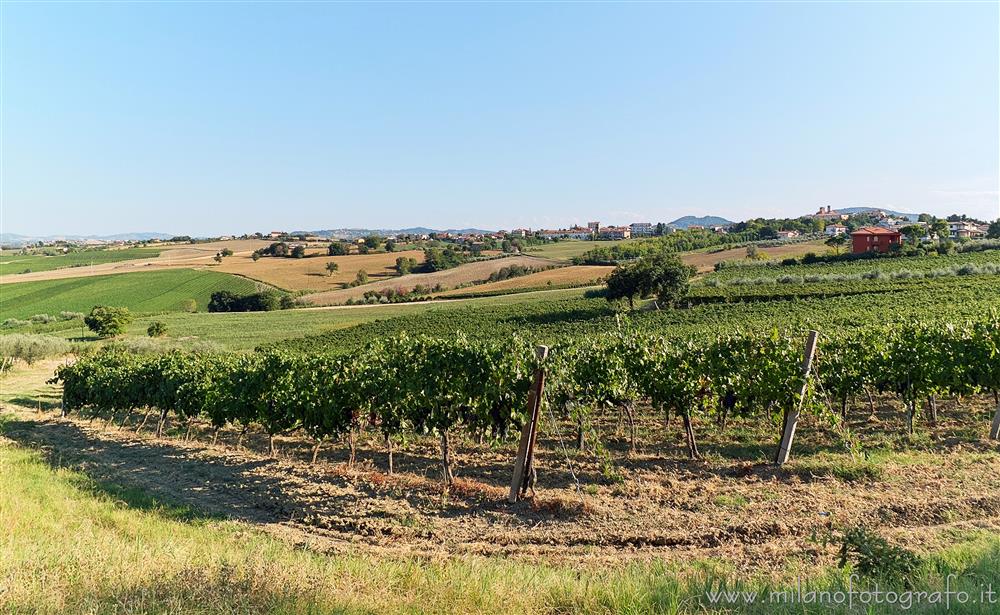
[(873, 557), (12, 323), (108, 321), (70, 315), (30, 348), (41, 319), (226, 301), (189, 305), (226, 252), (156, 329)]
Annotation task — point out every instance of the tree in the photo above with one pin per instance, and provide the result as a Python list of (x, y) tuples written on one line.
[(298, 252), (669, 278), (361, 278), (372, 242), (661, 274), (331, 267), (837, 242), (255, 256), (912, 232), (405, 265), (189, 305), (337, 248), (108, 321), (156, 329), (217, 258), (661, 228), (941, 229), (390, 246), (226, 252), (994, 231), (752, 252)]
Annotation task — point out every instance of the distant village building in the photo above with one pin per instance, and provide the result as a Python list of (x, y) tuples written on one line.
[(641, 229), (276, 234), (963, 229), (787, 234), (594, 227), (521, 232), (835, 229), (873, 239), (575, 232), (615, 232), (827, 213)]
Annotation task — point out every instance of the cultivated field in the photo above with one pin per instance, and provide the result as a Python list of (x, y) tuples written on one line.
[(560, 277), (23, 264), (149, 291), (310, 274), (566, 249), (180, 522), (449, 278), (705, 260)]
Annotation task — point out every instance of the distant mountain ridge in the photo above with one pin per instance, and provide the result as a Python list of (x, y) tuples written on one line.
[(13, 239), (687, 221), (354, 233)]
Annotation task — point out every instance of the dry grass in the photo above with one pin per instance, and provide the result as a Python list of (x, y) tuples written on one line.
[(310, 273), (463, 274), (705, 261), (575, 275), (293, 274)]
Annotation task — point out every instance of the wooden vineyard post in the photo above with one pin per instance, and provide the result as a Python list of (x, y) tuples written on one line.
[(995, 428), (792, 414), (529, 433)]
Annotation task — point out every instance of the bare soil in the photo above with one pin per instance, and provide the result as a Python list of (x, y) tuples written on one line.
[(561, 276), (733, 506), (449, 278)]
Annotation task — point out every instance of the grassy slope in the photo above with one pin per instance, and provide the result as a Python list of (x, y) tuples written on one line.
[(152, 291), (566, 249), (239, 331), (12, 264), (73, 545)]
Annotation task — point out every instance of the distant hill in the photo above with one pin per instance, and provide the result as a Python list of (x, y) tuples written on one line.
[(863, 210), (687, 221), (354, 233), (13, 239)]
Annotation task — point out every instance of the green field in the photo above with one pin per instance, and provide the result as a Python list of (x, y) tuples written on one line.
[(152, 291), (565, 249), (13, 264)]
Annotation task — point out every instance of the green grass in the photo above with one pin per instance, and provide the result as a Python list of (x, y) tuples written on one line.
[(13, 264), (152, 291), (243, 331), (565, 249), (74, 545)]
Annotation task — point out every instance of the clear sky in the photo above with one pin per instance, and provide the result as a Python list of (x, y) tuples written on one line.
[(220, 118)]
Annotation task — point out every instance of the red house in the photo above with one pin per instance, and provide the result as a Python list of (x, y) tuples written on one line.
[(873, 239)]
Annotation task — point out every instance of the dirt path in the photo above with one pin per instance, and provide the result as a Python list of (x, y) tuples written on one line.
[(748, 515)]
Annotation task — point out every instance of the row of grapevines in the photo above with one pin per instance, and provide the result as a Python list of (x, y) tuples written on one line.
[(422, 385)]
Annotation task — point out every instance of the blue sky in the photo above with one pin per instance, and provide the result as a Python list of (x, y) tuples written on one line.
[(230, 118)]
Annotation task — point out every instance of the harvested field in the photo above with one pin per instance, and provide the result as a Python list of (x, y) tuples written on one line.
[(732, 507), (292, 274), (705, 261), (310, 273), (574, 275), (449, 278)]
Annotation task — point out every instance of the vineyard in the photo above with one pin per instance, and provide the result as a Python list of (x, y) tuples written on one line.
[(406, 386)]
